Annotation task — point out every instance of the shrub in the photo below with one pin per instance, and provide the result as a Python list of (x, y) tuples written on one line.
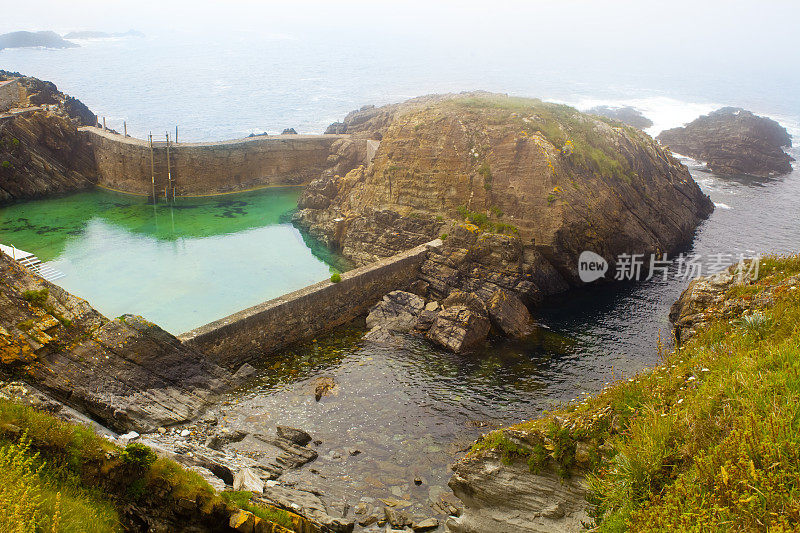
[(138, 455), (6, 164), (443, 236), (37, 298), (336, 277)]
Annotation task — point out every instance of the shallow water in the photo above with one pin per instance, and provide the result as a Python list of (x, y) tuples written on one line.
[(180, 265)]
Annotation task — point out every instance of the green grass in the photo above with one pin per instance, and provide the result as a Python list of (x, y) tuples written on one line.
[(482, 221), (707, 441), (243, 500), (37, 298)]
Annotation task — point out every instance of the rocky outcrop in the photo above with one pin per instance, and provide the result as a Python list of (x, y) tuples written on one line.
[(40, 92), (505, 497), (461, 324), (126, 373), (625, 114), (733, 141), (538, 183), (41, 154)]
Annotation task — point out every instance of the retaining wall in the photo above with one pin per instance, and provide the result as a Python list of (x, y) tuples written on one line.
[(123, 163), (253, 332)]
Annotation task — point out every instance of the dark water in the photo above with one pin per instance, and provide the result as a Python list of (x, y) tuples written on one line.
[(412, 411), (181, 265)]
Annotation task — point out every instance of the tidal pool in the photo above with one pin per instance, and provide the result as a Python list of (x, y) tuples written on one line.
[(180, 265)]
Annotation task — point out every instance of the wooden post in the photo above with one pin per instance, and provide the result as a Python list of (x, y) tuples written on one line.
[(176, 134), (152, 169), (104, 123), (125, 128)]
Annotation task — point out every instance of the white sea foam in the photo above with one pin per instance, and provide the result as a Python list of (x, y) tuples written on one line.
[(720, 205)]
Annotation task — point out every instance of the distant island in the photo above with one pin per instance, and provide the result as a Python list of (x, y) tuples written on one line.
[(90, 34), (29, 39)]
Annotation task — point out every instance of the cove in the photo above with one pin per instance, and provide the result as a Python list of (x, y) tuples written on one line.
[(180, 265)]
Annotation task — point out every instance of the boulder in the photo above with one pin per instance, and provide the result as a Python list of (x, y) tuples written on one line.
[(397, 311), (459, 328), (297, 436), (246, 479), (427, 316), (509, 314)]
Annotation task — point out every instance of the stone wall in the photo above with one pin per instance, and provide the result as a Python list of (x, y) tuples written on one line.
[(10, 94), (253, 332), (123, 163)]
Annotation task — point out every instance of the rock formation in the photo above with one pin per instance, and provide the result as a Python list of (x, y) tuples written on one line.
[(126, 373), (625, 114), (733, 141), (519, 187), (27, 39)]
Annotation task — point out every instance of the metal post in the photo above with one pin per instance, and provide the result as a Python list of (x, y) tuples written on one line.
[(152, 169), (104, 123), (125, 128), (169, 170), (176, 134)]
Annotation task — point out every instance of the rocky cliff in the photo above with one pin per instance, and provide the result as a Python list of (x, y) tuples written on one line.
[(733, 141), (552, 180), (41, 152), (125, 373)]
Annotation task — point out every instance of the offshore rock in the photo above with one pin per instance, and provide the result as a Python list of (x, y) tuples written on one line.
[(126, 373), (733, 141), (625, 114)]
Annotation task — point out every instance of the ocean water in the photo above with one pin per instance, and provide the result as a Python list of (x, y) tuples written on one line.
[(411, 411)]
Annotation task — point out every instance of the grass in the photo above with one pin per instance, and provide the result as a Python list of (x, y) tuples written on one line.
[(564, 127), (483, 222), (61, 477), (708, 441)]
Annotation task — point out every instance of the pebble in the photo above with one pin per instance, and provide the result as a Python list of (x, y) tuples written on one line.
[(185, 433)]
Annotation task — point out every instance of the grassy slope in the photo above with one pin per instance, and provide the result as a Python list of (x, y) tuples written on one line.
[(708, 441), (58, 477)]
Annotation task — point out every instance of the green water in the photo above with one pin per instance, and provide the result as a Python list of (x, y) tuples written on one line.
[(179, 266)]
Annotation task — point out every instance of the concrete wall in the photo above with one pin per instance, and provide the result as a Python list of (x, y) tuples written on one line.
[(123, 163), (10, 94), (253, 332)]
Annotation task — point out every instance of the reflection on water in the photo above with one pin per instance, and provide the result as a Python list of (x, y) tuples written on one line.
[(412, 410), (180, 265)]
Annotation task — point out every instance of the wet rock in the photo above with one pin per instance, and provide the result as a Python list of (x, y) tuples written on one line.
[(308, 504), (461, 325), (297, 436), (323, 387), (246, 479), (396, 518), (509, 314), (397, 311), (245, 371), (425, 525)]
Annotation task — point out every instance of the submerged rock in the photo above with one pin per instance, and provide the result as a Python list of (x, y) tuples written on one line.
[(733, 141), (297, 436)]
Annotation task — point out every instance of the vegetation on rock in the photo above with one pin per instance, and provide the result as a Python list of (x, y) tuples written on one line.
[(707, 440)]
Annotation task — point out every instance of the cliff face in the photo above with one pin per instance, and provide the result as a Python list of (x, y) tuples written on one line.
[(41, 153), (126, 373), (555, 180), (733, 141)]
